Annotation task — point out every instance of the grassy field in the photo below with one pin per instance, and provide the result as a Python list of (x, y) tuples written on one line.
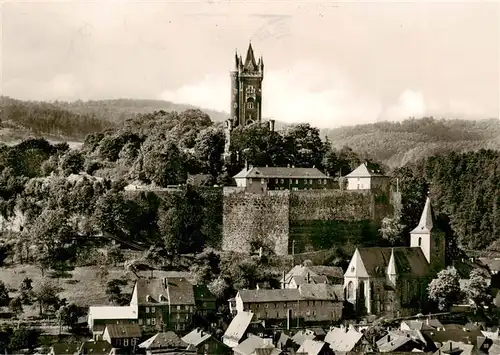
[(85, 287)]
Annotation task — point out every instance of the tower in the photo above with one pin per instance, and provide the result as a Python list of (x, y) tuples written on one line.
[(429, 238), (246, 93), (246, 89)]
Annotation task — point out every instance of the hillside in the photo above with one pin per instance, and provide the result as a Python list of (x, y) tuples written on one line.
[(398, 143)]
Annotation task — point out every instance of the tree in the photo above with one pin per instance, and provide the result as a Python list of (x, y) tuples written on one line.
[(304, 145), (71, 162), (162, 162), (209, 148), (114, 291), (114, 255), (26, 290), (16, 305), (218, 287), (4, 294), (46, 296), (445, 289), (23, 338), (478, 289), (392, 229), (52, 234)]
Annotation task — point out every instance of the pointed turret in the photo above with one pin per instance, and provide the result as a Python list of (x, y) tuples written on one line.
[(250, 63), (426, 219), (392, 272), (236, 60)]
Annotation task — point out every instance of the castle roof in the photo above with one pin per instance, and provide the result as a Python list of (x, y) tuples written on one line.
[(250, 63), (426, 219), (366, 170), (281, 172), (409, 261)]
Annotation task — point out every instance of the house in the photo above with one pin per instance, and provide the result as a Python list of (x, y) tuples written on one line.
[(204, 343), (302, 335), (237, 330), (260, 179), (206, 302), (164, 343), (314, 347), (452, 334), (396, 342), (65, 349), (343, 340), (301, 274), (250, 344), (394, 280), (99, 316), (308, 302), (367, 176), (122, 335), (166, 303), (415, 325), (455, 348), (285, 342), (100, 347)]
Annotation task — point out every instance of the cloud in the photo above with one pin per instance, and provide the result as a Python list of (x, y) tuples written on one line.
[(409, 104), (302, 92)]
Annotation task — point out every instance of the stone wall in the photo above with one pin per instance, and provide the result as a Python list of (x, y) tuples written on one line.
[(258, 219), (305, 221)]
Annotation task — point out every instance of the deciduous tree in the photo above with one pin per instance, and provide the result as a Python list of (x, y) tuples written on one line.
[(445, 289)]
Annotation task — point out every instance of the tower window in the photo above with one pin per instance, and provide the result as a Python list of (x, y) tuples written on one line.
[(420, 241), (251, 89), (250, 105)]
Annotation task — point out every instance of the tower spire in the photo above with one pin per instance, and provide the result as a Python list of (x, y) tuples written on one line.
[(250, 63), (426, 219)]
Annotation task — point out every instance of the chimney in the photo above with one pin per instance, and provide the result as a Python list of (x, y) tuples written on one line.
[(283, 281), (271, 125), (308, 277), (388, 338), (165, 282), (246, 165)]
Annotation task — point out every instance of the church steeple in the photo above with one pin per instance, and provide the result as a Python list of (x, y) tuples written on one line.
[(426, 219), (431, 241)]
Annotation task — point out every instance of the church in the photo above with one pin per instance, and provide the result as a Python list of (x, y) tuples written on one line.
[(385, 280)]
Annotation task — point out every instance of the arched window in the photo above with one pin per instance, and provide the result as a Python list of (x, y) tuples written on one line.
[(420, 241), (350, 290)]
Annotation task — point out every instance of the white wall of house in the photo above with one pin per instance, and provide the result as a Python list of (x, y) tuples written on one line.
[(239, 303), (362, 183), (241, 182)]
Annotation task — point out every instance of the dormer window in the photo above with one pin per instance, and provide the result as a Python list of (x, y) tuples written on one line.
[(161, 298), (148, 298), (352, 268)]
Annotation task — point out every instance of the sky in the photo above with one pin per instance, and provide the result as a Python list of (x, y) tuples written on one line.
[(326, 63)]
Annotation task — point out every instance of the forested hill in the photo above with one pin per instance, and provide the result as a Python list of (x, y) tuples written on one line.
[(398, 143), (72, 121)]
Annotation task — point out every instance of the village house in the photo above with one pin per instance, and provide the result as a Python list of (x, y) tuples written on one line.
[(99, 316), (307, 303), (122, 335), (260, 179), (202, 342), (315, 347), (163, 304), (344, 340), (240, 327), (100, 347), (164, 343), (366, 177), (315, 274), (394, 280), (252, 343), (206, 302)]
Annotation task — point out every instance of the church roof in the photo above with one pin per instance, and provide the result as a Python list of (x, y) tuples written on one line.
[(426, 219), (409, 261), (366, 170), (281, 172)]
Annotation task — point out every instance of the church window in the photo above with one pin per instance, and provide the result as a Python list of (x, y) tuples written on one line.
[(350, 290), (250, 105), (420, 241), (352, 269)]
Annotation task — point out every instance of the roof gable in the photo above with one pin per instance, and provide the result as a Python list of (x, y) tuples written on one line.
[(168, 340), (356, 266), (365, 170), (126, 330), (196, 337), (238, 326)]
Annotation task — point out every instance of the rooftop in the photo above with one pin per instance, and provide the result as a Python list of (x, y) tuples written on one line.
[(281, 172)]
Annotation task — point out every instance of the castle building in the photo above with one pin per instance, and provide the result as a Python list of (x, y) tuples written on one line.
[(366, 177), (262, 179), (394, 280), (246, 92)]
